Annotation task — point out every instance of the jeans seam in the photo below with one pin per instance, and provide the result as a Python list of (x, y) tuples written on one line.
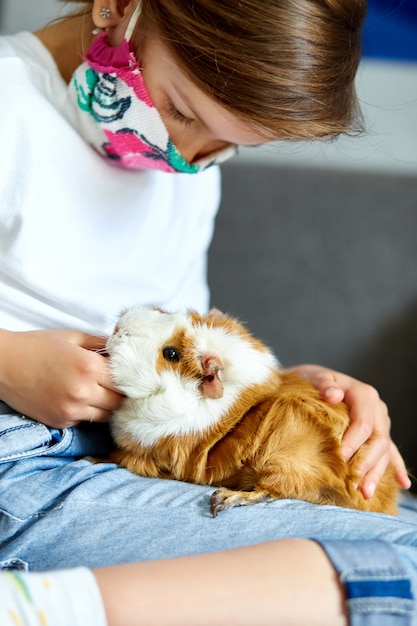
[(390, 604), (46, 450), (38, 515)]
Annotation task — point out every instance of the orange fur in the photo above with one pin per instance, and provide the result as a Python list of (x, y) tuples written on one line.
[(278, 440)]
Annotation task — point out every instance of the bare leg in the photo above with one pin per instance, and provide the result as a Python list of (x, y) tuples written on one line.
[(290, 582)]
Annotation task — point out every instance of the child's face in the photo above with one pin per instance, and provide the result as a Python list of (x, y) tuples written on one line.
[(196, 123)]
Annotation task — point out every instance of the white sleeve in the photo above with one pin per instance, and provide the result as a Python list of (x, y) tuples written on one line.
[(60, 598)]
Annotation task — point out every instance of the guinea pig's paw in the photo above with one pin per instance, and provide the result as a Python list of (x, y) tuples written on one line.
[(222, 499), (95, 460), (225, 498)]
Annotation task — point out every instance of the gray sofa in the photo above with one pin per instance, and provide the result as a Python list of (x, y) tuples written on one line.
[(322, 265)]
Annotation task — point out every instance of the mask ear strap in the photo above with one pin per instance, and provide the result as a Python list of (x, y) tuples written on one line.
[(133, 21)]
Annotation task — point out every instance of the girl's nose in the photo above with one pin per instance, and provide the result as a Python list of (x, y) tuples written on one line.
[(194, 149)]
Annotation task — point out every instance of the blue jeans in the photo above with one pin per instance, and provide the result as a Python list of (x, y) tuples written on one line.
[(58, 510)]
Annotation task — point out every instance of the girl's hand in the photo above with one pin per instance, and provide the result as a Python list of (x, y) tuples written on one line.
[(56, 377), (370, 423)]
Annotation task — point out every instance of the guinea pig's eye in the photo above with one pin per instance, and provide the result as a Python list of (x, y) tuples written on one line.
[(171, 354)]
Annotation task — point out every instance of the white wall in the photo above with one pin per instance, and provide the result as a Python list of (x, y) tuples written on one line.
[(388, 93), (388, 96), (29, 14)]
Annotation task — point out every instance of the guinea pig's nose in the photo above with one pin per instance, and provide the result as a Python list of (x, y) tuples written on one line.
[(212, 365), (211, 386)]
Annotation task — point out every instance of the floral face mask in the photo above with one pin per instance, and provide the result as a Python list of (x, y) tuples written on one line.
[(117, 115)]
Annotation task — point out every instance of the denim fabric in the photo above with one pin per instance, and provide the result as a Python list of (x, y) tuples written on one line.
[(377, 583), (58, 510)]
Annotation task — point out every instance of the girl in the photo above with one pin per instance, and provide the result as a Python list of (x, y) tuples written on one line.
[(114, 120)]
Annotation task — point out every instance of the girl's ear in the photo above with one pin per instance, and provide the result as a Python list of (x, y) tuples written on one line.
[(109, 13)]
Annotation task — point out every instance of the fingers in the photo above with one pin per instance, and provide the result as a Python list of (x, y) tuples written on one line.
[(104, 403), (105, 379), (400, 469), (93, 342), (98, 416), (107, 397), (375, 466), (370, 425), (98, 367), (98, 406), (369, 416), (330, 392), (377, 455), (329, 389), (93, 395), (324, 380)]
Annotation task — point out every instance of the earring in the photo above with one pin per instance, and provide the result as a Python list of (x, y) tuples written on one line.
[(105, 13)]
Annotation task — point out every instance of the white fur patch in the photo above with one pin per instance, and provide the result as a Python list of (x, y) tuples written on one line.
[(162, 404)]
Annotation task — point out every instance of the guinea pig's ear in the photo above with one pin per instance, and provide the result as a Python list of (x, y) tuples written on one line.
[(122, 312), (214, 315), (119, 317), (159, 310)]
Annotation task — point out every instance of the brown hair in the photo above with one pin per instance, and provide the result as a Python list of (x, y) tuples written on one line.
[(287, 67)]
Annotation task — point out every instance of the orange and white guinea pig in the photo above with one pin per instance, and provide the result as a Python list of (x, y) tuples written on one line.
[(208, 403)]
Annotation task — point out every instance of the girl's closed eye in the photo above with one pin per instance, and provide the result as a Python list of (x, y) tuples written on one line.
[(176, 115)]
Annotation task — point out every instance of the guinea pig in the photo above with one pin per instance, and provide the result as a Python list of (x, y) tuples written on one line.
[(208, 403)]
